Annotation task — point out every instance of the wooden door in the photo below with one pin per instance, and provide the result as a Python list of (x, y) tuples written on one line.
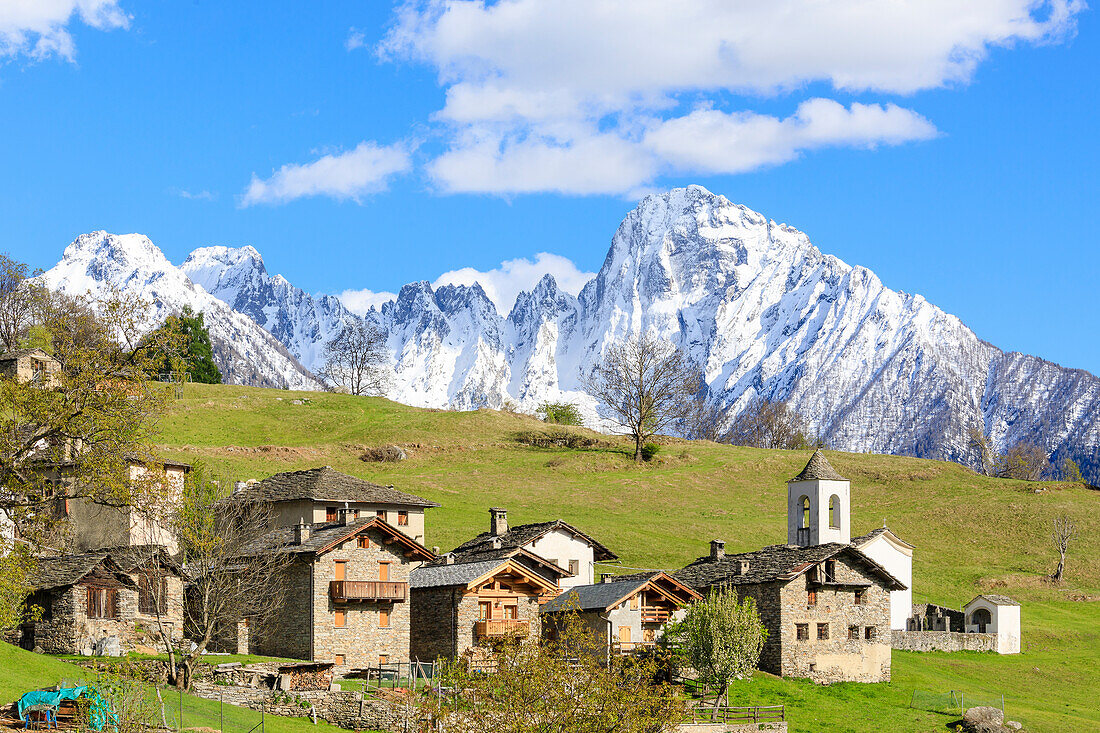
[(383, 571), (341, 568)]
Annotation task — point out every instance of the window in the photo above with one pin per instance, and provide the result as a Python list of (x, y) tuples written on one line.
[(403, 519), (383, 618), (853, 633), (362, 542), (102, 602), (805, 512), (834, 512), (830, 571), (341, 571), (483, 610), (152, 594), (802, 632), (383, 659), (330, 514), (340, 618), (381, 514), (575, 567), (511, 612), (869, 633), (383, 571), (823, 631), (811, 598), (861, 596), (339, 660)]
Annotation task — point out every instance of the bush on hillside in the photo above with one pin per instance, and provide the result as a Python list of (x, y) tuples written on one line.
[(557, 439), (561, 413)]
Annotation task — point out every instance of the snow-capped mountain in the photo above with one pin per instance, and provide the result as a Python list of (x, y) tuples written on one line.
[(98, 263), (754, 303)]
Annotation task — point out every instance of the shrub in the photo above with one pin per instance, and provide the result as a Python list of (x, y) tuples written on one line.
[(649, 450), (561, 413)]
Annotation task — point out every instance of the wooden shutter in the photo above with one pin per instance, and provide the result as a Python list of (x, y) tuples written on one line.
[(340, 620), (89, 609), (383, 618), (112, 602), (624, 634), (341, 569), (383, 571)]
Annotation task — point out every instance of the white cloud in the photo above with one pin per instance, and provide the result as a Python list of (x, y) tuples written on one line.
[(604, 96), (355, 40), (503, 284), (361, 301), (203, 195), (366, 169), (40, 28)]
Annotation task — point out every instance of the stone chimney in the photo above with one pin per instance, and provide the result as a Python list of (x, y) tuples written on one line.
[(498, 521), (449, 558), (301, 532), (496, 543), (348, 515), (435, 549), (717, 550), (607, 578), (742, 567)]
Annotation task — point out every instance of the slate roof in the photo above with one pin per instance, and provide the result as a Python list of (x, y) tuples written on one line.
[(864, 538), (597, 597), (433, 576), (524, 534), (321, 536), (326, 484), (131, 557), (17, 353), (58, 572), (996, 600), (773, 563), (818, 468)]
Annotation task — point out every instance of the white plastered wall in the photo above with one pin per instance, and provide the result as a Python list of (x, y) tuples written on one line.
[(562, 547), (1005, 623), (819, 492), (898, 561)]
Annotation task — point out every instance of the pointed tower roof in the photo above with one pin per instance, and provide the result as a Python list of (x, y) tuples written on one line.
[(818, 468)]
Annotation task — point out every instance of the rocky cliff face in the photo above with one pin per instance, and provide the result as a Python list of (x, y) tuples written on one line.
[(754, 303)]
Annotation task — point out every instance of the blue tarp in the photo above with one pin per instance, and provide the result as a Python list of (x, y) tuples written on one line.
[(100, 714)]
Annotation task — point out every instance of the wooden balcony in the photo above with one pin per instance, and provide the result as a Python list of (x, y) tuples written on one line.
[(654, 615), (630, 647), (367, 590), (502, 628)]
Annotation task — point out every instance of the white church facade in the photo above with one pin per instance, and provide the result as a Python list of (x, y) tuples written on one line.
[(819, 512)]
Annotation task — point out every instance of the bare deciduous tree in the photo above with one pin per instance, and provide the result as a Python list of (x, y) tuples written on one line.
[(1024, 461), (355, 359), (1064, 531), (983, 446), (770, 424), (17, 300), (706, 419), (646, 385), (231, 580)]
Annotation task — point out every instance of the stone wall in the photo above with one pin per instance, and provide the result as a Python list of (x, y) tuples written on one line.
[(943, 641), (346, 709), (290, 633), (433, 623), (770, 611), (837, 658)]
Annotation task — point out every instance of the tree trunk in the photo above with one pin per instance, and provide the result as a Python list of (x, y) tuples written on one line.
[(638, 449), (1056, 576)]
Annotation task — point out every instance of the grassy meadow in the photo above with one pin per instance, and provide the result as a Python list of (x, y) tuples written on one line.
[(972, 533)]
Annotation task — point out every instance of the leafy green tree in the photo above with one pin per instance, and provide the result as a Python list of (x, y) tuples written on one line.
[(721, 638), (561, 413), (1070, 471), (193, 355)]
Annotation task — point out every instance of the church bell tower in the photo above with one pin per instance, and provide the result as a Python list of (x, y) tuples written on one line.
[(819, 505)]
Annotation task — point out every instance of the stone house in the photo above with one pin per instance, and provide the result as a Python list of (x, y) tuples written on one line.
[(819, 512), (625, 614), (30, 365), (129, 593), (321, 495), (559, 542), (467, 601), (826, 607), (347, 592), (97, 525)]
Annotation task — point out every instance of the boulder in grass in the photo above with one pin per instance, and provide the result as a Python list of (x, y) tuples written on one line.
[(983, 719)]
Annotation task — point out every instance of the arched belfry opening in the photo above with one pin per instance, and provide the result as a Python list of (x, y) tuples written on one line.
[(818, 505)]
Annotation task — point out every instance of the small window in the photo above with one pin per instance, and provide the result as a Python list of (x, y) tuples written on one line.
[(834, 512), (511, 612), (152, 595), (330, 514), (402, 519), (830, 571), (802, 632), (102, 602), (381, 514), (383, 659), (869, 633), (805, 512), (483, 609), (860, 596), (575, 567), (383, 618), (362, 542), (340, 618), (811, 598), (823, 631), (853, 633), (339, 660)]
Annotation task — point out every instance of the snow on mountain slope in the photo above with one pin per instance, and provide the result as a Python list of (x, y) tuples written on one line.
[(754, 303), (238, 277), (98, 262)]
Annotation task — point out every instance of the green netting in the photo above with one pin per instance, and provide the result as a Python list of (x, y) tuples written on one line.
[(954, 702)]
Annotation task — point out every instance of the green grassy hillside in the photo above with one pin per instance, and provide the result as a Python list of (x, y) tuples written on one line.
[(972, 533)]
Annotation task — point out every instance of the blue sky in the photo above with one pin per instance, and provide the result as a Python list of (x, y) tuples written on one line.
[(363, 145)]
